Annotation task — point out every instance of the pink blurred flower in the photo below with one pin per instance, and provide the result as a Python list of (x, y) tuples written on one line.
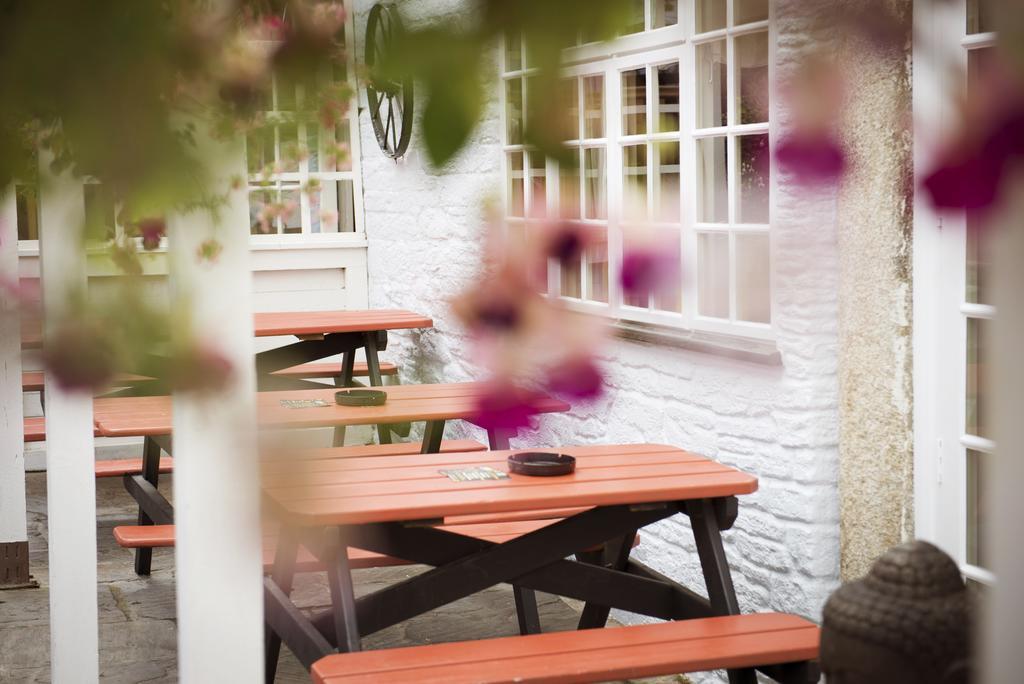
[(578, 379), (504, 407), (151, 230), (209, 250), (566, 241), (199, 369), (645, 269), (812, 157), (79, 356)]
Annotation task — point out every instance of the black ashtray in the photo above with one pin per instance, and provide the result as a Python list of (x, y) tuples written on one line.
[(541, 463), (360, 397)]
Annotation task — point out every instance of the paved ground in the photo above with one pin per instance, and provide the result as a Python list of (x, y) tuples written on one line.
[(137, 624)]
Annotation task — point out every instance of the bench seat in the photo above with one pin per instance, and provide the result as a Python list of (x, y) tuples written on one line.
[(33, 381), (35, 429), (595, 655), (129, 466)]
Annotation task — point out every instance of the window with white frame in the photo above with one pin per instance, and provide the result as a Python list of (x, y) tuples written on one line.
[(669, 127), (953, 310), (303, 176)]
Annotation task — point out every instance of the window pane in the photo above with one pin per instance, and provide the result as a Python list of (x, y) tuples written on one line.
[(593, 112), (99, 212), (666, 184), (713, 274), (669, 294), (595, 206), (634, 179), (312, 147), (977, 422), (572, 272), (754, 177), (597, 266), (752, 77), (635, 22), (342, 156), (666, 13), (259, 202), (569, 189), (977, 263), (513, 52), (259, 146), (978, 478), (980, 16), (346, 207), (514, 111), (516, 201), (711, 80), (27, 203), (288, 148), (753, 285), (666, 114), (710, 15), (746, 11), (292, 213), (634, 102), (712, 188), (571, 106), (538, 185)]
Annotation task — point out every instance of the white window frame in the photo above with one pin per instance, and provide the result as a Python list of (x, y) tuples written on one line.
[(651, 48), (941, 311)]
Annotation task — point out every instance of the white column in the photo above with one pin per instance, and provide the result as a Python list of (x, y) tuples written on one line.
[(13, 526), (1005, 615), (216, 480), (70, 479)]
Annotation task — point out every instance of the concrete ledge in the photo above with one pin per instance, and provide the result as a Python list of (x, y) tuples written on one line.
[(731, 346)]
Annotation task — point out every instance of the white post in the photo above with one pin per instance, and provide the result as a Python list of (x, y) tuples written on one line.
[(216, 478), (13, 527), (70, 478)]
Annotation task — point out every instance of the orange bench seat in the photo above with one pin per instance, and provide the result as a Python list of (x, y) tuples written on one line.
[(35, 429), (593, 655)]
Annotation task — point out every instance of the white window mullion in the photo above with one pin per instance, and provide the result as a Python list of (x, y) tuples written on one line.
[(614, 179)]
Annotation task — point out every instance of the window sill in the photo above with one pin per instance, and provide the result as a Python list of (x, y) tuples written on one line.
[(764, 352)]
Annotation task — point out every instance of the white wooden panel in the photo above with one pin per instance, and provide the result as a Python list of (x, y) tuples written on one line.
[(218, 554), (12, 444), (70, 483)]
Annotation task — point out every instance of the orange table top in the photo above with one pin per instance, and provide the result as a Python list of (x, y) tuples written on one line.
[(323, 322), (408, 488), (296, 323), (146, 416)]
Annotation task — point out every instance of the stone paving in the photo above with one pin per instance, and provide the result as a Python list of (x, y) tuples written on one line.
[(137, 619)]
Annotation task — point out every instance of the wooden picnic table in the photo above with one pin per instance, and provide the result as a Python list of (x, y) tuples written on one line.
[(151, 417), (391, 506)]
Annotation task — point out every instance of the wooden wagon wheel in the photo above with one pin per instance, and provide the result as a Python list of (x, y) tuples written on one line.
[(390, 101)]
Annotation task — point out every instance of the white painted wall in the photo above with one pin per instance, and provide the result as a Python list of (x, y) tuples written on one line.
[(777, 422)]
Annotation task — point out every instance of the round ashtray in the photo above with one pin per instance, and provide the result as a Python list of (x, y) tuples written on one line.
[(360, 397), (541, 463)]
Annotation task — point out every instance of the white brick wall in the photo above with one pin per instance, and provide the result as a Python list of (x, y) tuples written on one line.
[(778, 422)]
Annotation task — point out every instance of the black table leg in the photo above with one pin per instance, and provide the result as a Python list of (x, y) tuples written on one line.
[(151, 473), (433, 433), (283, 574), (373, 366), (348, 360), (707, 523), (343, 600), (614, 555)]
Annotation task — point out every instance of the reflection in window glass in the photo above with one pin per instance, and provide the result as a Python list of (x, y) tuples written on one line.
[(666, 184), (513, 51), (666, 113), (259, 146), (666, 13), (569, 191), (754, 177), (346, 207), (753, 284), (593, 112), (746, 11), (977, 422), (713, 191), (572, 272), (514, 111), (710, 15), (978, 478), (27, 202), (980, 16), (516, 197), (258, 201), (595, 206), (977, 263), (597, 266), (752, 78), (635, 22), (713, 275), (711, 80), (669, 294), (538, 185), (288, 147), (632, 297), (571, 107), (312, 148), (291, 220), (634, 102), (634, 177), (342, 161)]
